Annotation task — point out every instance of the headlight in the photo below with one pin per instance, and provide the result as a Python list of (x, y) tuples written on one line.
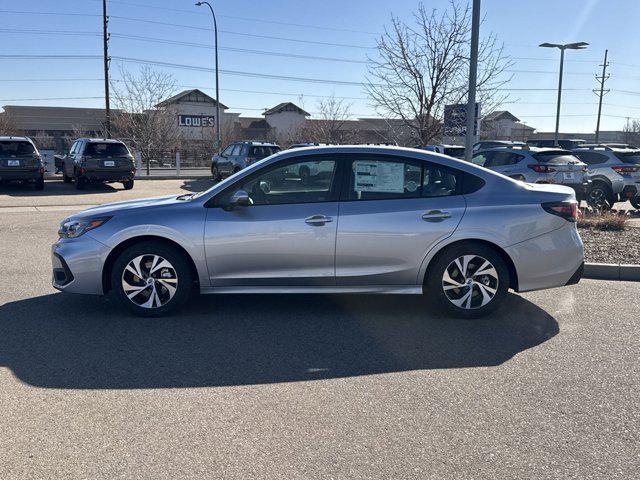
[(75, 228)]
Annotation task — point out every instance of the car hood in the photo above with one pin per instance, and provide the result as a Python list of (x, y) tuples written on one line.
[(116, 208)]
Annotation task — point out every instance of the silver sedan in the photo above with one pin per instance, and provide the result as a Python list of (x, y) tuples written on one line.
[(369, 220)]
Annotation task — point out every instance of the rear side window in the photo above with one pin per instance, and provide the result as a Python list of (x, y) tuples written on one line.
[(16, 148), (557, 158), (454, 152), (629, 157), (592, 158), (106, 150), (387, 178), (501, 159)]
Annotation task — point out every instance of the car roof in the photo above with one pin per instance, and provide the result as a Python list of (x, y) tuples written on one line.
[(15, 139), (526, 148), (100, 140)]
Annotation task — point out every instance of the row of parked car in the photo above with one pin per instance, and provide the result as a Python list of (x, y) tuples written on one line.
[(600, 174), (88, 160)]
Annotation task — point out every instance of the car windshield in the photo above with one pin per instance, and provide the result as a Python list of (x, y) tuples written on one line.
[(16, 148), (632, 157), (106, 150), (560, 157)]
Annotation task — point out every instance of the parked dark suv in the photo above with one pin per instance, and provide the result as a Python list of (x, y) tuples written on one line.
[(240, 155), (98, 160), (20, 161)]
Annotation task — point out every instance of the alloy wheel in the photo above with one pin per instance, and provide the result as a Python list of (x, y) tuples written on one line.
[(149, 281), (470, 282), (598, 198)]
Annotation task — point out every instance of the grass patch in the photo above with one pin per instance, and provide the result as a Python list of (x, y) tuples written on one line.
[(607, 222)]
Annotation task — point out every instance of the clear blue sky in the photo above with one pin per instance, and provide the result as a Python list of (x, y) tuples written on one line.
[(520, 25)]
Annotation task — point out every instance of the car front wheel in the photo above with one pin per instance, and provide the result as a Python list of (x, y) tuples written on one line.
[(469, 280), (151, 279), (128, 185), (635, 201)]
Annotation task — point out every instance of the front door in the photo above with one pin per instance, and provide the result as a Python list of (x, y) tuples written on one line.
[(285, 238), (393, 211)]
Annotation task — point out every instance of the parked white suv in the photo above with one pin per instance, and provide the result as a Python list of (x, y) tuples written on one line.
[(614, 173)]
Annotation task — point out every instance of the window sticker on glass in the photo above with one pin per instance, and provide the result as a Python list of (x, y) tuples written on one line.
[(387, 177)]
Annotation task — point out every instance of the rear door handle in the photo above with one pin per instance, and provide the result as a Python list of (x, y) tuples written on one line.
[(317, 220), (436, 216)]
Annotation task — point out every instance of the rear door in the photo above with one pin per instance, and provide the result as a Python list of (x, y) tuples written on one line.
[(392, 211)]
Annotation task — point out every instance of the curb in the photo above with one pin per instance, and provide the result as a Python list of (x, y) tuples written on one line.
[(612, 271)]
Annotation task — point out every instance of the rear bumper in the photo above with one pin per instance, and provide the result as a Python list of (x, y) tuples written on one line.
[(108, 175), (548, 261), (9, 175)]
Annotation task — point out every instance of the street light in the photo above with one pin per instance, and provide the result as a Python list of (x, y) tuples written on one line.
[(562, 47), (215, 37)]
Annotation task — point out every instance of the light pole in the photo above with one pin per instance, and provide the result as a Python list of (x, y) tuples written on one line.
[(562, 47), (215, 37), (473, 74)]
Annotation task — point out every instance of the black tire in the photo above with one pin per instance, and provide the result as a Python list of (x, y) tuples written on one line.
[(600, 197), (66, 178), (215, 173), (81, 183), (39, 185), (177, 260), (434, 281), (635, 202), (128, 185)]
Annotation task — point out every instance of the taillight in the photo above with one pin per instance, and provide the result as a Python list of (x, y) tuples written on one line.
[(83, 171), (566, 210), (541, 168), (625, 169), (41, 170)]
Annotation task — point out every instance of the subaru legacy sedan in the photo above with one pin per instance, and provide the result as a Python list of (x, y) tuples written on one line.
[(380, 220)]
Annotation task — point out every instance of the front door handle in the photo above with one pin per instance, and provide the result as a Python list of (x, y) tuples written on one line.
[(436, 216), (317, 220)]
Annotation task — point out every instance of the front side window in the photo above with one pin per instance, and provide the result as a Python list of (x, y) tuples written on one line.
[(236, 150), (394, 178), (227, 151), (307, 181), (480, 159)]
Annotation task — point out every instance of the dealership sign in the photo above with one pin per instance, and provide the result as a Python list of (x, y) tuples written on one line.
[(455, 120), (196, 120)]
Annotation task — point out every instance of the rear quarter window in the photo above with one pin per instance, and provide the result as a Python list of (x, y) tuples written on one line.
[(16, 148), (629, 157)]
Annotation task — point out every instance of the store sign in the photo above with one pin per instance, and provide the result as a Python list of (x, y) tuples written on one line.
[(196, 121)]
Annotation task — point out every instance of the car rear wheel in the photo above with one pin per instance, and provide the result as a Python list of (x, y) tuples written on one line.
[(600, 197), (66, 178), (128, 185), (39, 185), (469, 280), (151, 279), (81, 182)]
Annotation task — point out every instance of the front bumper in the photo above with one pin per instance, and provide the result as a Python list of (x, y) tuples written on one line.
[(10, 175), (548, 261), (77, 265)]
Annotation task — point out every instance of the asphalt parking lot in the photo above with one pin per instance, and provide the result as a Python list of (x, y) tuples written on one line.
[(304, 386)]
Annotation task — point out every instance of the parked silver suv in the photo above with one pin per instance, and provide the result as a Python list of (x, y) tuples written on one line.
[(614, 172), (537, 165)]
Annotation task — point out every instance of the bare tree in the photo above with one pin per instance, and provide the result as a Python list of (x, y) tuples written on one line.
[(143, 119), (7, 125), (631, 132), (333, 115), (424, 66)]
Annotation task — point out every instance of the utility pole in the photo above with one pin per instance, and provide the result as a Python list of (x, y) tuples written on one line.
[(105, 38), (473, 76), (602, 92)]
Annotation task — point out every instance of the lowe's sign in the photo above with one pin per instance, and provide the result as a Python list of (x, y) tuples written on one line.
[(196, 120)]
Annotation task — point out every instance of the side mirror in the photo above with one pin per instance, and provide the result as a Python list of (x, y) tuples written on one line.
[(239, 199)]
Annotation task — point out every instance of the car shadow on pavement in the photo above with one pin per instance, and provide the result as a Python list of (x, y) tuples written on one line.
[(198, 184), (78, 342), (56, 188)]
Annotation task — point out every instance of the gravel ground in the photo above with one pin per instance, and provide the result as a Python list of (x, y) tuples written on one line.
[(611, 247)]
